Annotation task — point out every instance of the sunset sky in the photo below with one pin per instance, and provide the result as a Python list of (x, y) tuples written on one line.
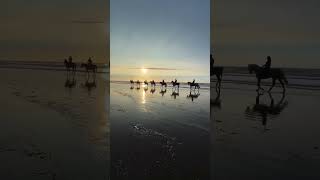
[(154, 38), (249, 30), (47, 30)]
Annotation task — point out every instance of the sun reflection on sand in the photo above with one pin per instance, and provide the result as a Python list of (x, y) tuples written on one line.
[(143, 101)]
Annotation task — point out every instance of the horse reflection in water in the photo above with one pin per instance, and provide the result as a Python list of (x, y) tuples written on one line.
[(70, 82), (163, 91), (216, 102), (175, 93), (266, 111), (193, 95), (90, 84), (145, 88), (153, 90), (131, 84)]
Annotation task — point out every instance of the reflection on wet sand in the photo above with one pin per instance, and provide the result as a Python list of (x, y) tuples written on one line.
[(254, 133), (193, 95), (216, 102), (70, 83), (264, 110), (163, 91), (175, 93), (153, 90), (158, 136), (66, 137), (90, 83)]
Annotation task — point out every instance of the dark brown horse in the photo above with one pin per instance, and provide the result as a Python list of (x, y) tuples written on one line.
[(193, 84), (163, 83), (90, 67), (175, 83), (152, 83), (70, 66), (217, 71), (274, 73)]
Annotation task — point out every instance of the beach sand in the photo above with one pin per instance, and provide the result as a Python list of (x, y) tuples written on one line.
[(253, 139), (50, 130), (155, 136)]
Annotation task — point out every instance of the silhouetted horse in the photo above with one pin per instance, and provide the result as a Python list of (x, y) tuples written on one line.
[(195, 85), (218, 71), (131, 82), (175, 83), (90, 67), (70, 65), (274, 73), (193, 95), (138, 84), (163, 84), (263, 110), (153, 83), (146, 82)]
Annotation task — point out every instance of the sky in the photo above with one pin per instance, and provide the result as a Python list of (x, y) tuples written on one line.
[(247, 31), (51, 30), (153, 38)]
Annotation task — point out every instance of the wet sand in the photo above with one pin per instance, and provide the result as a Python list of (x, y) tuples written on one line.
[(51, 129), (255, 139), (158, 135)]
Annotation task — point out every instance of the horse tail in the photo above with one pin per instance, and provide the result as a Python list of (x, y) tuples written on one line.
[(221, 72), (285, 80)]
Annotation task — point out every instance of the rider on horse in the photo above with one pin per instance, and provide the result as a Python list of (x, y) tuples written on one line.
[(89, 61), (211, 64), (211, 61), (266, 67), (70, 59)]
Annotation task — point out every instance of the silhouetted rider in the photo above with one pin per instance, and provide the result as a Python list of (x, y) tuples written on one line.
[(89, 61), (70, 59), (267, 65), (211, 61)]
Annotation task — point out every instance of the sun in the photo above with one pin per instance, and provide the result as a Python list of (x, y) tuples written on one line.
[(144, 70)]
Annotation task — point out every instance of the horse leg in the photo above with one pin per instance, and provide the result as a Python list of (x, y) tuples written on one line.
[(258, 84), (273, 84), (217, 86), (219, 80), (282, 84)]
